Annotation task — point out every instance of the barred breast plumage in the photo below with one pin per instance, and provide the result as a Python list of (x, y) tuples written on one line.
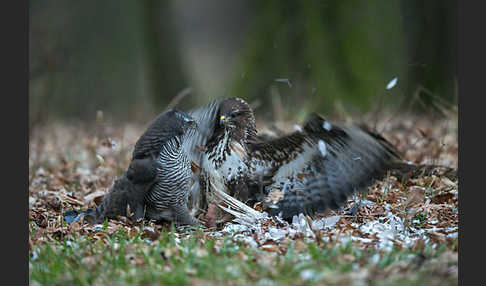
[(156, 183), (167, 200), (177, 152), (158, 179)]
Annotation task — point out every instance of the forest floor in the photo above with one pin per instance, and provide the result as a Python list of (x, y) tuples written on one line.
[(397, 232)]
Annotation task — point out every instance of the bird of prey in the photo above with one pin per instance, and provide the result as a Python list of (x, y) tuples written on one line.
[(303, 172), (157, 182), (163, 158), (226, 152), (306, 171), (165, 162), (161, 168)]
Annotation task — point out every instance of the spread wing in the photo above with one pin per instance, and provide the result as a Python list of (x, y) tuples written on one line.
[(292, 153), (348, 159)]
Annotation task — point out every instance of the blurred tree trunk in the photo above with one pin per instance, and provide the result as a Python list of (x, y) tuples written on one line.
[(101, 55), (430, 29), (166, 77)]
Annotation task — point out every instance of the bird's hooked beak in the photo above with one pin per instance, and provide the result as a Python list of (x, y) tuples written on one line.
[(194, 127), (192, 123), (223, 120)]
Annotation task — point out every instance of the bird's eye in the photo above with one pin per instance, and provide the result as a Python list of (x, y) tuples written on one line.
[(235, 114)]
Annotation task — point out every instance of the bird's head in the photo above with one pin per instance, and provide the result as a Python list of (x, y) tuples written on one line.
[(236, 116), (183, 121)]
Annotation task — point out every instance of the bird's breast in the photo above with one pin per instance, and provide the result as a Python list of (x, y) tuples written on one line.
[(229, 164)]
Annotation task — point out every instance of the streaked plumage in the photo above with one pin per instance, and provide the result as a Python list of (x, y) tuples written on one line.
[(313, 169), (224, 152)]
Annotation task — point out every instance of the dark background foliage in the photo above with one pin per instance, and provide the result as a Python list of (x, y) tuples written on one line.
[(131, 58)]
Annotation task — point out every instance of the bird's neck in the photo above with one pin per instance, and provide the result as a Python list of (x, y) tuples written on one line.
[(223, 143)]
